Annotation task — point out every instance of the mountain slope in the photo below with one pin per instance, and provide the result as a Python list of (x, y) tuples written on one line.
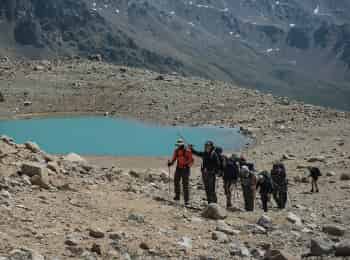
[(291, 47)]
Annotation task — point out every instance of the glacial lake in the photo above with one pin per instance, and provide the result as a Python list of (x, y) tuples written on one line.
[(95, 135)]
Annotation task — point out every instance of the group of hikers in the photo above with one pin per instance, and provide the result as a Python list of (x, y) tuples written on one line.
[(233, 169)]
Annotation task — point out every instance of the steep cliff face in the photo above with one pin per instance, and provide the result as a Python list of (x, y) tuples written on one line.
[(68, 27)]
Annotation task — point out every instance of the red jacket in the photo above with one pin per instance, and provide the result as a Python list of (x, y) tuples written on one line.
[(183, 157)]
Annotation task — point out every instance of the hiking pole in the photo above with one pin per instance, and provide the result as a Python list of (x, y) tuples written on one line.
[(169, 191)]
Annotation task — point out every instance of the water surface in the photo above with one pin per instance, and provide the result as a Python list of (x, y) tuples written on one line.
[(115, 137)]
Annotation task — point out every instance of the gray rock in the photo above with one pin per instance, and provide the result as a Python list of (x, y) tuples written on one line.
[(236, 249), (33, 147), (334, 230), (41, 181), (30, 169), (136, 217), (214, 211), (265, 222), (343, 248), (115, 236), (345, 177), (224, 228), (25, 254), (294, 219), (220, 237), (96, 233), (320, 247)]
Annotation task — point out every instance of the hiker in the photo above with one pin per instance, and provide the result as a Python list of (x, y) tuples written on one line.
[(211, 166), (264, 184), (315, 173), (243, 162), (280, 184), (184, 159), (230, 177), (248, 182)]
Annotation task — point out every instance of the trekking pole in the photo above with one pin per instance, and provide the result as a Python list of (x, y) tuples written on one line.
[(169, 191)]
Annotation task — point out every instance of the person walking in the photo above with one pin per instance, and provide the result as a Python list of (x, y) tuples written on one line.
[(183, 157), (248, 182), (211, 166), (315, 173), (280, 184), (230, 177), (264, 184)]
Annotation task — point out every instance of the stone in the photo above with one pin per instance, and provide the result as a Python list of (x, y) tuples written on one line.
[(33, 147), (96, 248), (280, 255), (343, 248), (331, 174), (74, 158), (334, 230), (294, 219), (144, 246), (316, 159), (30, 169), (25, 254), (236, 249), (320, 247), (220, 237), (224, 228), (214, 211), (115, 236), (136, 217), (96, 233), (41, 181), (345, 177), (53, 166), (39, 68), (185, 242), (134, 174), (265, 222)]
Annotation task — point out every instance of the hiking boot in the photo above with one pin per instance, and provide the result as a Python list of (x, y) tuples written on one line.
[(312, 191), (176, 198), (187, 204), (317, 191)]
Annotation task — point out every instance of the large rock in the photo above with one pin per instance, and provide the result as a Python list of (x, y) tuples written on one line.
[(73, 157), (25, 254), (220, 237), (224, 228), (33, 147), (320, 247), (265, 221), (334, 230), (40, 180), (30, 169), (214, 211), (343, 248), (294, 219), (280, 255), (96, 233)]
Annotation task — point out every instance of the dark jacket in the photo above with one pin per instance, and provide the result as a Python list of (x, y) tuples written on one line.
[(265, 184), (230, 169), (315, 172), (211, 161)]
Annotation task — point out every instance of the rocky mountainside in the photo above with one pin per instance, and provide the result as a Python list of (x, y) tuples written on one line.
[(289, 47)]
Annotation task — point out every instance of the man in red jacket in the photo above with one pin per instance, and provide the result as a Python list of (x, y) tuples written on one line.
[(184, 159)]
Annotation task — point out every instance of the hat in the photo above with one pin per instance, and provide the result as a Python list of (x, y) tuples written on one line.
[(180, 142)]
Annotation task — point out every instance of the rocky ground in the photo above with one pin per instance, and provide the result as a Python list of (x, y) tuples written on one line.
[(64, 207)]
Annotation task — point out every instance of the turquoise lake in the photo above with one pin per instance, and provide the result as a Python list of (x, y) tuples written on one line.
[(115, 137)]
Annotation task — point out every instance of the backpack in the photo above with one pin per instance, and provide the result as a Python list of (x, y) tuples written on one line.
[(219, 152), (231, 169)]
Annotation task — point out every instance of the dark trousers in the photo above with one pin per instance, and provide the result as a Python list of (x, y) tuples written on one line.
[(209, 180), (182, 174), (314, 184), (249, 198), (228, 186), (264, 200), (280, 196)]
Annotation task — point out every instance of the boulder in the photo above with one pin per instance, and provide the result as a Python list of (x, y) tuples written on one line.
[(96, 233), (25, 254), (265, 222), (280, 255), (75, 158), (320, 247), (214, 211), (343, 248), (33, 147), (40, 180), (31, 169), (220, 237), (334, 230), (345, 177), (294, 219)]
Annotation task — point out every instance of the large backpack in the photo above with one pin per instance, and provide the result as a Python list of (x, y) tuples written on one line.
[(219, 151), (231, 169)]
